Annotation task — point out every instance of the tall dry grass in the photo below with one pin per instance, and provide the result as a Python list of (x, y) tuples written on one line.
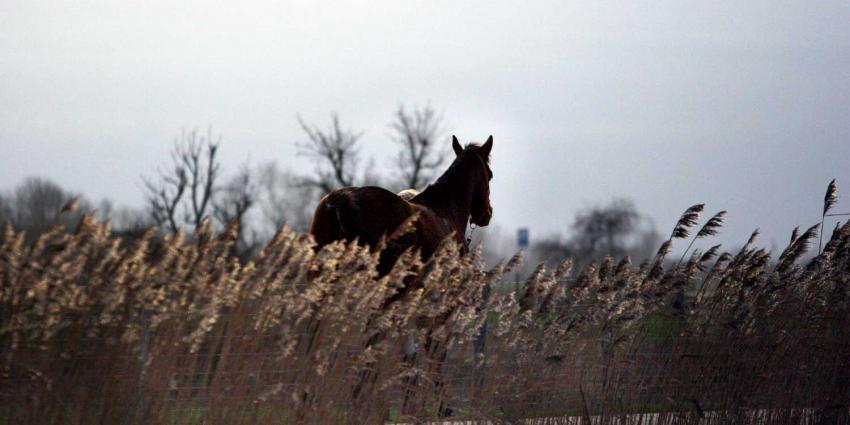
[(167, 330)]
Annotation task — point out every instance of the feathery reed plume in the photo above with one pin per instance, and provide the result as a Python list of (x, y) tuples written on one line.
[(564, 268), (794, 234), (605, 267), (514, 262), (796, 249), (688, 219), (623, 265), (693, 264), (710, 228), (718, 264), (753, 237), (726, 256), (71, 205), (658, 263), (736, 262), (829, 200), (664, 249), (708, 256), (834, 238), (831, 197)]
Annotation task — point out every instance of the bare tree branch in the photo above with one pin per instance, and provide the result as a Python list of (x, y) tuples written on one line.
[(336, 152), (164, 196), (194, 168), (236, 198), (197, 154), (421, 156)]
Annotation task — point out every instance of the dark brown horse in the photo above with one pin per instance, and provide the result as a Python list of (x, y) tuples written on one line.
[(368, 214), (460, 195)]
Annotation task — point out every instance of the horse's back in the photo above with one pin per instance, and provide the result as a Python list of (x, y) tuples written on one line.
[(366, 213)]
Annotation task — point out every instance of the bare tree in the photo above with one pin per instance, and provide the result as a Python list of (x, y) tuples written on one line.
[(336, 152), (200, 162), (188, 186), (602, 230), (37, 205), (233, 202), (421, 155), (616, 229), (164, 196)]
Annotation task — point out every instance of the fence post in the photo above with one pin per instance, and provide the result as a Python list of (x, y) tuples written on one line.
[(479, 345), (481, 339), (144, 347)]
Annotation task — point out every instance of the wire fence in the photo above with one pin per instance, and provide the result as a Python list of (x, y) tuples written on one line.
[(245, 377)]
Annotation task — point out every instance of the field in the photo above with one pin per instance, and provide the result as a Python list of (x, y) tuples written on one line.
[(177, 330)]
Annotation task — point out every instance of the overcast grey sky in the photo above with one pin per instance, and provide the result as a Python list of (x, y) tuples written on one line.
[(744, 105)]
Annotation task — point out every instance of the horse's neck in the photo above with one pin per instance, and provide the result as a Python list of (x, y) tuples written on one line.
[(447, 202)]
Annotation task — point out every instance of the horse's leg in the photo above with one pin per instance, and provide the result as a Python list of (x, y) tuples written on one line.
[(388, 257)]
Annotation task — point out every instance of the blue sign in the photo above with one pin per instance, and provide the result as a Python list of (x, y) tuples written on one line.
[(522, 237)]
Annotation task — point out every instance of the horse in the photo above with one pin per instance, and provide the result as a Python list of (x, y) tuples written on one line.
[(460, 195), (370, 214)]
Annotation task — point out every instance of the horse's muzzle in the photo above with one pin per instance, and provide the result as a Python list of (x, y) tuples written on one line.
[(483, 219)]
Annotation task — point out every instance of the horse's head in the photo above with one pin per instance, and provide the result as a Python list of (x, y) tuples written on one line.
[(476, 164)]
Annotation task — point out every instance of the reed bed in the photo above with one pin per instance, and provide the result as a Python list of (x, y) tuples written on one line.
[(176, 330)]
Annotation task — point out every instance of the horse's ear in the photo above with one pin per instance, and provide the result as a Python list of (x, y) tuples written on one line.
[(488, 145), (456, 146)]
